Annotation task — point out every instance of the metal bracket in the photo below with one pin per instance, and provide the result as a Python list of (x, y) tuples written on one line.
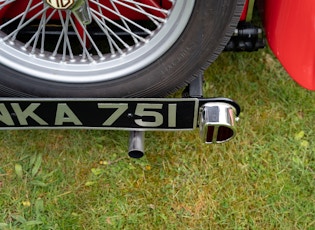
[(195, 87)]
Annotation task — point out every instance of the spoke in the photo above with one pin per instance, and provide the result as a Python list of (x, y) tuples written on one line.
[(161, 19), (24, 24), (123, 28), (5, 2), (40, 30), (43, 32), (125, 23), (19, 16), (60, 37), (151, 18), (85, 52), (66, 37), (122, 17), (37, 34), (86, 33), (105, 28), (23, 17), (112, 32), (159, 9)]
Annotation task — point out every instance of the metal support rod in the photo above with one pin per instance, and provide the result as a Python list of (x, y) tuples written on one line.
[(195, 87), (136, 144)]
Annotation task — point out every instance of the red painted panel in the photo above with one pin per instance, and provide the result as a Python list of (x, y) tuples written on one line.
[(244, 14), (290, 30)]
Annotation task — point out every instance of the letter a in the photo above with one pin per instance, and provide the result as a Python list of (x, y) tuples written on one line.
[(65, 115), (5, 116)]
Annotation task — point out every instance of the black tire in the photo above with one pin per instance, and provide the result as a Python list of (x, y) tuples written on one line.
[(209, 28)]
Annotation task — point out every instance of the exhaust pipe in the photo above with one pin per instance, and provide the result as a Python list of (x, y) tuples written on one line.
[(216, 122), (136, 144)]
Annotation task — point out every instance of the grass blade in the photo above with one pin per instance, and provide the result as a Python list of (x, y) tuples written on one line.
[(37, 165), (18, 170)]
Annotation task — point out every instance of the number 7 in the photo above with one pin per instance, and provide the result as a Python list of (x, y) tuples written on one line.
[(120, 109)]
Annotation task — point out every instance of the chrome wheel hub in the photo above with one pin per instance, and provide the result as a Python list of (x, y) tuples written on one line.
[(80, 8), (60, 4)]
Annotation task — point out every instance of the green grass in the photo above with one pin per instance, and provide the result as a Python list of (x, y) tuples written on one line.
[(263, 179)]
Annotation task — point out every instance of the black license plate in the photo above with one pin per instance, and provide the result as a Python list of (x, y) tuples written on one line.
[(126, 114)]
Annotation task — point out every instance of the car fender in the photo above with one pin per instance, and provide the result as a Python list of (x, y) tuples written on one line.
[(290, 31)]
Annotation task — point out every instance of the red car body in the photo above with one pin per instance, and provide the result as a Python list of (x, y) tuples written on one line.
[(290, 31)]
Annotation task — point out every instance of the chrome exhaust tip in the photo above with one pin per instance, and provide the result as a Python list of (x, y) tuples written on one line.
[(136, 144), (217, 122)]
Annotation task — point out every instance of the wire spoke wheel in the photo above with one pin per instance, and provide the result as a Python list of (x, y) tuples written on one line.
[(45, 39), (82, 47)]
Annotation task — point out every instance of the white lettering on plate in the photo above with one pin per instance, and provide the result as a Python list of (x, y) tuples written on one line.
[(29, 112), (65, 115)]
